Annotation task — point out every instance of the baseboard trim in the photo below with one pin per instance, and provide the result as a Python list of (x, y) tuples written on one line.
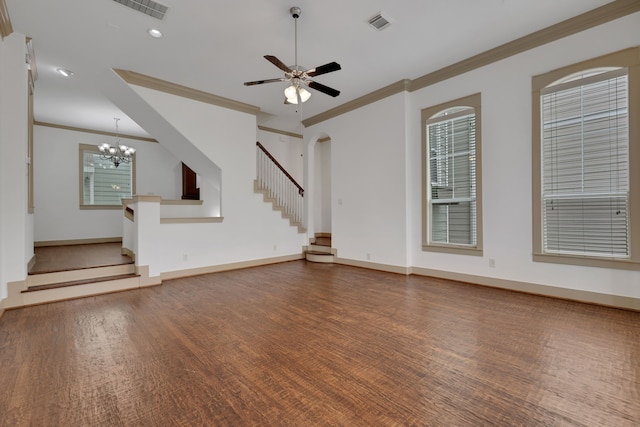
[(145, 280), (31, 262), (44, 243), (2, 308), (128, 252), (178, 274), (596, 298), (615, 301), (374, 266)]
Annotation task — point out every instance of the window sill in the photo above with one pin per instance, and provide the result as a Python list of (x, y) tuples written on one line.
[(99, 207), (453, 249), (586, 261)]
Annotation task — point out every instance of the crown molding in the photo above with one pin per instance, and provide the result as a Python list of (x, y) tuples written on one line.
[(149, 82), (97, 132), (598, 16), (585, 21), (281, 132), (5, 21), (392, 89)]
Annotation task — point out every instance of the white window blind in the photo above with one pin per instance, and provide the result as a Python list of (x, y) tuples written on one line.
[(585, 166), (451, 152)]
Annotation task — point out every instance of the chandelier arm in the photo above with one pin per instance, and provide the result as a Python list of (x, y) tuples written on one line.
[(117, 153)]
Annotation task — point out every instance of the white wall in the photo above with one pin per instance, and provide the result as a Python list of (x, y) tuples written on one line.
[(368, 189), (251, 229), (322, 193), (376, 157), (287, 150), (16, 227), (507, 162), (57, 212)]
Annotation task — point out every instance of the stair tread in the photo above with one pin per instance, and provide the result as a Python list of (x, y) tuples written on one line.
[(79, 282), (322, 241), (319, 253), (36, 273)]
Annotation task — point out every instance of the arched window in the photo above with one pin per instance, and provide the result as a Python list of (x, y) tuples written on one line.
[(583, 176), (451, 146)]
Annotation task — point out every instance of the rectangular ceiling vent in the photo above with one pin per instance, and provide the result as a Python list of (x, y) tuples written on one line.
[(379, 22), (148, 7)]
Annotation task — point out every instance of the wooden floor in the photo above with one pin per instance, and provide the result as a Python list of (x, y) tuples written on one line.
[(75, 257), (304, 344)]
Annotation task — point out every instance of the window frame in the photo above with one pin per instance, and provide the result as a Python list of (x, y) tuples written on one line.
[(93, 149), (472, 101), (627, 58)]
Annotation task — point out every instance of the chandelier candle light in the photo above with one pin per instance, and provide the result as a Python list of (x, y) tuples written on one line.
[(117, 153)]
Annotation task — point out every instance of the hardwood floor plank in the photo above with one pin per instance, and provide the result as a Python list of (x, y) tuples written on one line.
[(310, 344)]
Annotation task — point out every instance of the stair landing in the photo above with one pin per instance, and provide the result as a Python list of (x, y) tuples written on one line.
[(74, 271), (320, 250)]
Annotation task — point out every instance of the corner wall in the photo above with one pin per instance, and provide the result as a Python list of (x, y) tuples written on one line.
[(368, 189), (376, 172), (16, 226)]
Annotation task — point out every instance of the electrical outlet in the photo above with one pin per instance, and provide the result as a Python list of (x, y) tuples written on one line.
[(275, 247), (492, 263), (368, 256), (184, 257)]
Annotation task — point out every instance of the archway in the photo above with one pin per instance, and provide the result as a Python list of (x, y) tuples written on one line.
[(318, 186)]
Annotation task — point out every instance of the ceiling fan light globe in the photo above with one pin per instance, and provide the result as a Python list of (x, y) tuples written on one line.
[(290, 93), (304, 94)]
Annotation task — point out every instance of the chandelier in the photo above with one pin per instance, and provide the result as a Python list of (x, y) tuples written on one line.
[(117, 153)]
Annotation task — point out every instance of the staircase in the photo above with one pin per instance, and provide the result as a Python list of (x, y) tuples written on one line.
[(61, 285), (277, 206), (279, 188), (320, 250), (74, 271)]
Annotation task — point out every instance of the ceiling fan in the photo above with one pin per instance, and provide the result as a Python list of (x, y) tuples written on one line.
[(298, 76)]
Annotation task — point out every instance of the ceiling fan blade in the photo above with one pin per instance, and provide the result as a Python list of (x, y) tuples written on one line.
[(259, 82), (324, 89), (275, 61), (324, 69)]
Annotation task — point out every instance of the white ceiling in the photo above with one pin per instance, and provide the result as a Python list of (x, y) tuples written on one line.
[(215, 46)]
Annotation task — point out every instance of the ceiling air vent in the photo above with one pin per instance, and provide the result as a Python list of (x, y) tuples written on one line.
[(379, 22), (148, 7)]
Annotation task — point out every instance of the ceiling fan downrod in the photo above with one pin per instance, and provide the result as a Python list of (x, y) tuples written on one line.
[(295, 12)]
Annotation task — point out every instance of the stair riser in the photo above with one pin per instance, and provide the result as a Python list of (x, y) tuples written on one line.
[(84, 274), (79, 291), (274, 203), (323, 249), (320, 258)]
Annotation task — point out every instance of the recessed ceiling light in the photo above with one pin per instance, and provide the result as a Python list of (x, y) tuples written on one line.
[(65, 72), (155, 33)]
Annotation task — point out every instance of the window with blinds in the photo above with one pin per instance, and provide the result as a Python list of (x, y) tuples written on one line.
[(103, 185), (585, 164), (451, 140)]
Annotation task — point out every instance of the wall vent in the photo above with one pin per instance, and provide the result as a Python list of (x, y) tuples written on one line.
[(148, 7), (379, 22)]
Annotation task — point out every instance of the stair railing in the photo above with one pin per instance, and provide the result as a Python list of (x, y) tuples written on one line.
[(279, 184)]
